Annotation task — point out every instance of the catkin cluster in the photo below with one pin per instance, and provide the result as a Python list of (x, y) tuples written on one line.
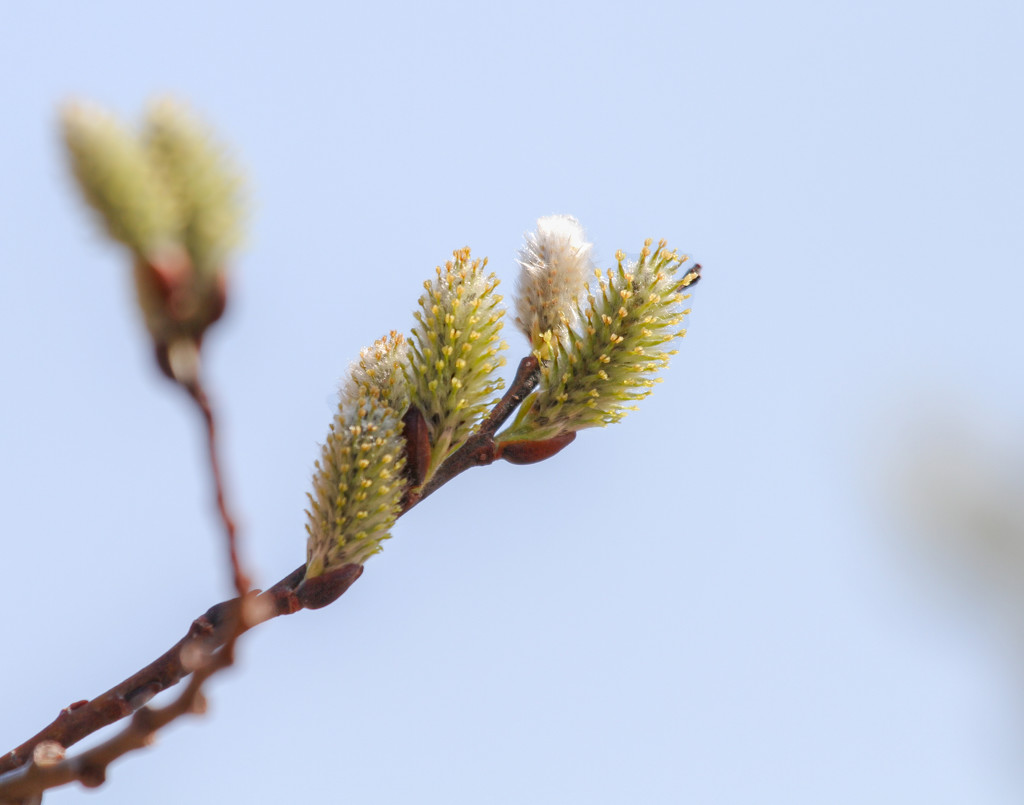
[(171, 196), (598, 352)]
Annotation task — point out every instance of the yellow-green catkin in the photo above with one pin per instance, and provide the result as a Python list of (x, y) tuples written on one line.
[(357, 486), (611, 358), (453, 352)]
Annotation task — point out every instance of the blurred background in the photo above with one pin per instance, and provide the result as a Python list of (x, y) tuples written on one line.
[(795, 575)]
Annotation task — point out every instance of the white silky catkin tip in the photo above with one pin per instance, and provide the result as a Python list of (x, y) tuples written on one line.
[(555, 263)]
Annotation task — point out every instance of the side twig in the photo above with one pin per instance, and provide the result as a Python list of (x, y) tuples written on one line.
[(239, 578)]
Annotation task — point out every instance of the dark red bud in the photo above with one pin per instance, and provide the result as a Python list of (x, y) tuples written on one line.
[(530, 452)]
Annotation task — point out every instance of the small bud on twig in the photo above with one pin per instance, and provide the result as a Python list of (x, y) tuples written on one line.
[(48, 753), (531, 452)]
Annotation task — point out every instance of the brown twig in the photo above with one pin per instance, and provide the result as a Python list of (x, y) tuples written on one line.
[(219, 626), (211, 629), (239, 578)]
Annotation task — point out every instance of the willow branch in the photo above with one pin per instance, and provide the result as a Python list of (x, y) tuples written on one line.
[(212, 629), (50, 769)]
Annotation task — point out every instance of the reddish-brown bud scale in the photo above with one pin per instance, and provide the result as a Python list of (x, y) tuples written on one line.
[(527, 451), (417, 445), (162, 280), (171, 276), (326, 588), (163, 360)]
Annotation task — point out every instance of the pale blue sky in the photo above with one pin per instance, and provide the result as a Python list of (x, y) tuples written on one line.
[(701, 604)]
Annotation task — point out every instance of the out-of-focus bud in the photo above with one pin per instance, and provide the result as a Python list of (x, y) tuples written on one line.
[(357, 487), (173, 198), (453, 352), (610, 360), (554, 265)]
